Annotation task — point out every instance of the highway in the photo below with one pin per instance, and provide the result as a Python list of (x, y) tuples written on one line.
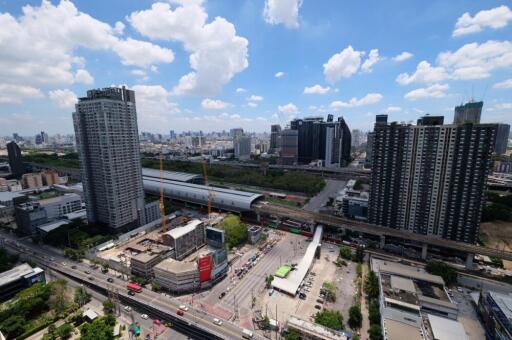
[(308, 216), (195, 323)]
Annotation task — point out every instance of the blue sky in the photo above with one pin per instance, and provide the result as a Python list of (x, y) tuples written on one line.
[(216, 65)]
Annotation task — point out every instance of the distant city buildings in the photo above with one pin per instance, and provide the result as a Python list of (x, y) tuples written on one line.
[(108, 146), (242, 147), (288, 145), (236, 132), (275, 130), (15, 159), (430, 178), (502, 137)]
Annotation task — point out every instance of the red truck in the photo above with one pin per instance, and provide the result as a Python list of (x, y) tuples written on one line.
[(132, 286)]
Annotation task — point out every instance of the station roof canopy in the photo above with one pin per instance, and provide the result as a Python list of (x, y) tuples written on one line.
[(172, 175)]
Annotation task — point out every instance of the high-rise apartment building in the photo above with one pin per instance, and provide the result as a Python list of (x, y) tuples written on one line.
[(430, 178), (275, 130), (468, 113), (242, 146), (502, 137), (236, 132), (108, 146), (15, 160)]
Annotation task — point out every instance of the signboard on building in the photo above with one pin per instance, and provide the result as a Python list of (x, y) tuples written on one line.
[(205, 265), (215, 237)]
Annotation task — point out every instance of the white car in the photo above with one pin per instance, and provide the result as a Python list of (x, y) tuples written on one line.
[(144, 316), (184, 308), (217, 322), (128, 308)]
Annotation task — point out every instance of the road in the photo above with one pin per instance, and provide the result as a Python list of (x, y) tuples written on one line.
[(331, 189), (196, 323)]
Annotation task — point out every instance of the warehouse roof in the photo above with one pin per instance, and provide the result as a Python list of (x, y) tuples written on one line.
[(226, 199), (180, 231), (446, 329), (172, 175)]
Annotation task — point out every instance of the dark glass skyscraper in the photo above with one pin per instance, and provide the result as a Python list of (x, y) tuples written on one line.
[(15, 159)]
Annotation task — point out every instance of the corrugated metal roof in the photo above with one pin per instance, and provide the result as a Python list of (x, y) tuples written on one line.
[(171, 175), (180, 231), (446, 329)]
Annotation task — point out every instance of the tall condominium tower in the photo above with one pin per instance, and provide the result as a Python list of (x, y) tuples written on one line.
[(502, 137), (468, 113), (275, 130), (430, 178), (15, 160), (288, 145), (108, 145)]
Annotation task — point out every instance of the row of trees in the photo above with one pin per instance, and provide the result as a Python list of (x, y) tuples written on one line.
[(372, 289)]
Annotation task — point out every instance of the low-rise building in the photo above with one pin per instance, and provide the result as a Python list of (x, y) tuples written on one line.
[(495, 310), (50, 177), (142, 264), (19, 278), (312, 331), (8, 201), (59, 206), (351, 203), (32, 180), (177, 276), (185, 240), (254, 234), (29, 216)]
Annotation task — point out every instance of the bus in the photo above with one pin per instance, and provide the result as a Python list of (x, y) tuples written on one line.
[(132, 286)]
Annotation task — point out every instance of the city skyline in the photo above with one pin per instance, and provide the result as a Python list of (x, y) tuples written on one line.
[(303, 60)]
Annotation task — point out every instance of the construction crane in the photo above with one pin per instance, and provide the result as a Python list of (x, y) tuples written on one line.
[(162, 206), (210, 194)]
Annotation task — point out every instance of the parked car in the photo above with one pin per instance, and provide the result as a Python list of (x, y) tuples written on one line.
[(131, 293), (91, 278), (144, 316), (180, 312), (73, 267), (127, 308), (217, 322), (222, 295), (318, 307), (183, 308), (110, 280)]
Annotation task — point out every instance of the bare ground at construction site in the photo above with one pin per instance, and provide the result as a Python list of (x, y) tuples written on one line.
[(497, 234)]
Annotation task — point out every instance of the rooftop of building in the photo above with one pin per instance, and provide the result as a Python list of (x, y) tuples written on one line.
[(396, 330), (76, 214), (47, 227), (59, 198), (174, 266), (181, 231), (405, 271), (504, 302), (16, 273), (8, 196), (146, 256), (172, 175), (446, 329), (313, 328)]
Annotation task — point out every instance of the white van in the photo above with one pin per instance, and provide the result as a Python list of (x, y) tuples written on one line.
[(247, 334)]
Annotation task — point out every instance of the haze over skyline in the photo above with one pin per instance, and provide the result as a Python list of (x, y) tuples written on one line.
[(216, 65)]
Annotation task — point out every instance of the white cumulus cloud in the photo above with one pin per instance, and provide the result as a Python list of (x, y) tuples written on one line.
[(279, 74), (506, 84), (14, 94), (373, 58), (217, 53), (214, 104), (433, 91), (64, 99), (154, 109), (393, 109), (240, 90), (342, 65), (284, 12), (289, 108), (402, 56), (255, 98), (370, 98), (495, 18), (252, 104), (425, 73), (83, 77), (316, 89)]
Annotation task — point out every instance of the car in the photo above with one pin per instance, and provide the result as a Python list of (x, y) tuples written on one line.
[(318, 307), (144, 316), (91, 278), (131, 293), (64, 263), (217, 322), (183, 308), (127, 308), (271, 292), (87, 272), (110, 280), (157, 322), (180, 312), (73, 267), (459, 289), (320, 301), (222, 295)]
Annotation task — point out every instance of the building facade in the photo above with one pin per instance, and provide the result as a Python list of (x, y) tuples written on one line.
[(15, 159), (502, 136), (32, 180), (50, 177), (29, 216), (242, 146), (468, 113), (288, 145), (59, 206), (430, 178), (18, 278), (275, 130), (108, 146), (495, 310)]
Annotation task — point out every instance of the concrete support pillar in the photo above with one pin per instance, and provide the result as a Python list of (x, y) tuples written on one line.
[(258, 217), (382, 241), (424, 248), (469, 260)]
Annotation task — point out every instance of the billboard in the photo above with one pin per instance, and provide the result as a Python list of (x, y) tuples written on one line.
[(205, 265), (215, 237)]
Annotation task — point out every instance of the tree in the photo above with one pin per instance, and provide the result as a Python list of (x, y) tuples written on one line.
[(375, 332), (330, 318), (268, 280), (372, 285), (7, 261), (155, 286), (448, 273), (359, 255), (265, 323), (99, 329), (330, 291), (374, 313), (346, 252), (355, 319), (64, 331), (108, 306), (81, 296), (58, 299), (13, 326), (236, 232), (293, 334)]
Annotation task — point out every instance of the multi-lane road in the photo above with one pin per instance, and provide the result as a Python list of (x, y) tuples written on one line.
[(195, 323)]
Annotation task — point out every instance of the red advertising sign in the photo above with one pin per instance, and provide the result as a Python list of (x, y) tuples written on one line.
[(205, 265)]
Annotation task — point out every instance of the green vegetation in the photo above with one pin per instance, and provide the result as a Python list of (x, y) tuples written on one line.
[(330, 318), (371, 285), (358, 185), (108, 306), (355, 319), (265, 323), (63, 332), (69, 160), (268, 280), (346, 252), (100, 329), (374, 313), (34, 309), (359, 255), (81, 296), (281, 201), (293, 334), (498, 207), (375, 332), (449, 274), (236, 231), (7, 261), (276, 179), (496, 261), (330, 291), (139, 280), (76, 237)]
